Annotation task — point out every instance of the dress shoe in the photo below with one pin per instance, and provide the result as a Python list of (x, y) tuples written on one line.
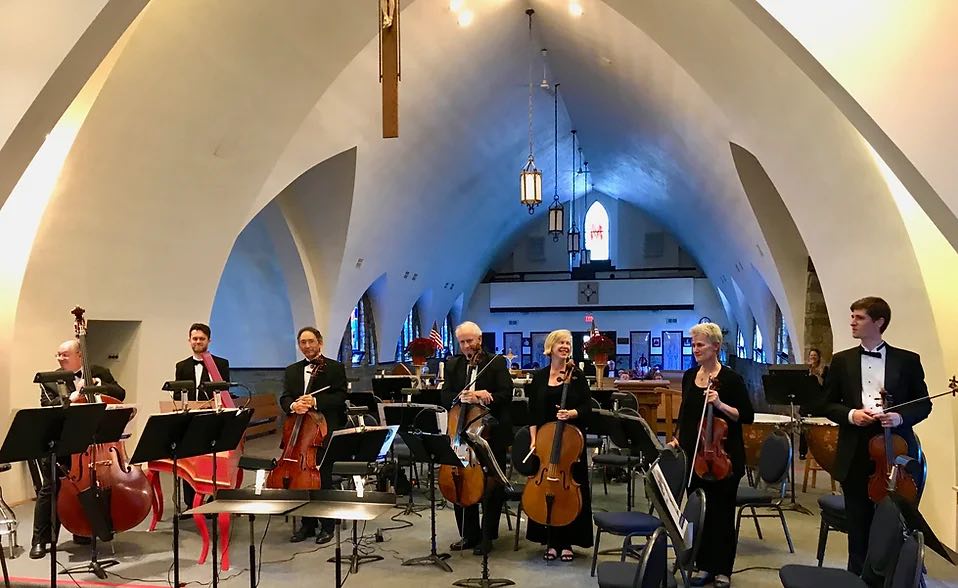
[(38, 551), (484, 548), (301, 534), (80, 540), (722, 581), (701, 579), (324, 537), (461, 545)]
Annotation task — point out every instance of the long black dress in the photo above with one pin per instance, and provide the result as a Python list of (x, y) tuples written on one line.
[(543, 400), (717, 554)]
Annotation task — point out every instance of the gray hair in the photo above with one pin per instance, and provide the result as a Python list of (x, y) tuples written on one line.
[(469, 326)]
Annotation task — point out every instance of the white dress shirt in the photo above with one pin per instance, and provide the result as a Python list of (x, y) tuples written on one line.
[(873, 379), (198, 369)]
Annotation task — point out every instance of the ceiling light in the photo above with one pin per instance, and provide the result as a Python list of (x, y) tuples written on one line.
[(457, 5), (465, 18), (530, 178), (575, 8)]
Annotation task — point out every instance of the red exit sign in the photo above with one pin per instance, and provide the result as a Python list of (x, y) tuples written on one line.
[(588, 318)]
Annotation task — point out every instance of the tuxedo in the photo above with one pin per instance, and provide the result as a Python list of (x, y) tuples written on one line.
[(46, 488), (186, 370), (904, 379), (331, 403), (495, 379)]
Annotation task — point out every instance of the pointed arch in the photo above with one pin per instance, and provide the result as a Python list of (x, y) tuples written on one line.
[(597, 231)]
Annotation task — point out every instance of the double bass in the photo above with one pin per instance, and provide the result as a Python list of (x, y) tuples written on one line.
[(888, 476), (711, 460), (552, 497), (121, 490), (465, 485), (303, 435)]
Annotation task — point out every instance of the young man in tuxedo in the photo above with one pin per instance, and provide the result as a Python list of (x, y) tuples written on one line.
[(70, 359), (493, 389), (853, 390), (313, 373), (192, 368)]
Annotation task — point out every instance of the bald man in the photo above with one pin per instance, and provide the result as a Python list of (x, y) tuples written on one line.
[(70, 359), (493, 389)]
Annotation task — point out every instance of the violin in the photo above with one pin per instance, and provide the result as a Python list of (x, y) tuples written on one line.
[(465, 485), (552, 497), (122, 490), (711, 460), (303, 435), (889, 476)]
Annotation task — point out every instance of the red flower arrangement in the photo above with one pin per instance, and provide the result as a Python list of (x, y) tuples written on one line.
[(600, 347), (420, 348)]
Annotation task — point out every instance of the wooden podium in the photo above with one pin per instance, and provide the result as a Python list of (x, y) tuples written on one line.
[(649, 394)]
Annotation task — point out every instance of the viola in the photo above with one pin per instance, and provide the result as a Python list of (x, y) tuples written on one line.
[(465, 485), (121, 489), (303, 435), (552, 497), (711, 460), (888, 476)]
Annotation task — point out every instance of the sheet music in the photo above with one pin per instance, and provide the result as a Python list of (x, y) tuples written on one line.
[(669, 500)]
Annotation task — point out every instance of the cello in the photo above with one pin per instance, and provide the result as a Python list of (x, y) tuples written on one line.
[(465, 485), (888, 476), (711, 460), (303, 435), (122, 490), (552, 497)]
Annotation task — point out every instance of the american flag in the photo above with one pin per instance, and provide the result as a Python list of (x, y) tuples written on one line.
[(435, 335)]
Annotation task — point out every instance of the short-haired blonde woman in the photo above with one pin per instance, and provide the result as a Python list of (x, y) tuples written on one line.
[(545, 395), (730, 401)]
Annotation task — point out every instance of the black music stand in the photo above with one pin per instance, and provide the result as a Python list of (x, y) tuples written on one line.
[(50, 432), (249, 502), (175, 436), (95, 504), (493, 476), (218, 430), (389, 387), (410, 417), (434, 449), (792, 387), (351, 452)]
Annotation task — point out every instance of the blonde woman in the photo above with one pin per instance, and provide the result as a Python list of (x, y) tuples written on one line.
[(730, 401), (545, 395)]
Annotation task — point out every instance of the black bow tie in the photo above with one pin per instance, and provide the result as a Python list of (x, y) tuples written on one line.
[(78, 374), (876, 353), (197, 361)]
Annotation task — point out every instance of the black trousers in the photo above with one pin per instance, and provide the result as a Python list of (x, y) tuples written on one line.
[(859, 511), (717, 552), (46, 493), (467, 519), (326, 525)]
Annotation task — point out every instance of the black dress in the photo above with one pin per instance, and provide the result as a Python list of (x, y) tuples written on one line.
[(717, 554), (543, 400)]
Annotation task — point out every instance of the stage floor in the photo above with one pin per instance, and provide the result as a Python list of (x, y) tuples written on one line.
[(146, 556)]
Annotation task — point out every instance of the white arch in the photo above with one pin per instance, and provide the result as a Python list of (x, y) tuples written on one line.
[(598, 231)]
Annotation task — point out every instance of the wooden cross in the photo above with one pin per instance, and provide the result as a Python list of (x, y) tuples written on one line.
[(389, 65)]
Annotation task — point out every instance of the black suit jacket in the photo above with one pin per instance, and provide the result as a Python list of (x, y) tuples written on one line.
[(332, 402), (496, 380), (186, 371), (904, 381), (50, 397)]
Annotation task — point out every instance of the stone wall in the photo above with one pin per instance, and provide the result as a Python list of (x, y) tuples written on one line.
[(818, 328)]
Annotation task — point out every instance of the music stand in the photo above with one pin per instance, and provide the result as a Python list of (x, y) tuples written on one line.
[(250, 502), (351, 451), (175, 436), (389, 386), (434, 449), (409, 417), (423, 395), (109, 430), (493, 474), (50, 432), (217, 430), (791, 387)]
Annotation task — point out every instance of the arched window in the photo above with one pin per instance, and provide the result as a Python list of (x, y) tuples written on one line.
[(597, 232), (758, 349), (359, 340), (410, 330), (740, 349), (783, 342), (446, 331)]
